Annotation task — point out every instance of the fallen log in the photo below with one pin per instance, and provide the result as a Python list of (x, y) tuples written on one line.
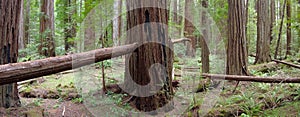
[(252, 78), (180, 40), (286, 63), (17, 72)]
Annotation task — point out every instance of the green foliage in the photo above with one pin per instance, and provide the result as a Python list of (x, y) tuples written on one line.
[(106, 64), (38, 102), (77, 100)]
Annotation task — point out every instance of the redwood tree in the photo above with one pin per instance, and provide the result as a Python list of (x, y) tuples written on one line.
[(47, 47), (263, 32), (151, 64), (10, 11), (236, 45)]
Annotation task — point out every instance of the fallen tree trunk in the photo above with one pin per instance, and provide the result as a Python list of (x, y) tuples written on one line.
[(17, 72), (286, 63), (180, 40), (252, 78)]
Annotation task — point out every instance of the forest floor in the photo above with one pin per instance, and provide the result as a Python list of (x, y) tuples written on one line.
[(64, 94)]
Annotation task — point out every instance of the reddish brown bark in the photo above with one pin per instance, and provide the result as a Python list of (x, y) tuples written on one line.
[(148, 27), (10, 11), (263, 32), (236, 45)]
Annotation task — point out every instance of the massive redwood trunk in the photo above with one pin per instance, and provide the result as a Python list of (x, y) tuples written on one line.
[(236, 46), (9, 32), (148, 75)]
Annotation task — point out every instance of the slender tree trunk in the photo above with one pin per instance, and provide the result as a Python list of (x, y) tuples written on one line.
[(180, 18), (148, 73), (288, 30), (21, 27), (273, 20), (175, 11), (47, 47), (280, 30), (263, 32), (27, 23), (189, 29), (246, 23), (236, 46), (10, 11), (205, 39), (120, 21)]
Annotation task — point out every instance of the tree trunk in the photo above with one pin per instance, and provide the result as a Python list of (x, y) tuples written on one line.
[(205, 39), (288, 28), (236, 46), (280, 30), (21, 28), (263, 32), (273, 20), (189, 29), (148, 73), (32, 69), (120, 21), (246, 23), (27, 23), (175, 11), (70, 28), (47, 47), (10, 11), (180, 18)]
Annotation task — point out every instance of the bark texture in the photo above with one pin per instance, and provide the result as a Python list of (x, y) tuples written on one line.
[(26, 22), (10, 11), (148, 74), (32, 69), (263, 32), (47, 47), (236, 46)]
